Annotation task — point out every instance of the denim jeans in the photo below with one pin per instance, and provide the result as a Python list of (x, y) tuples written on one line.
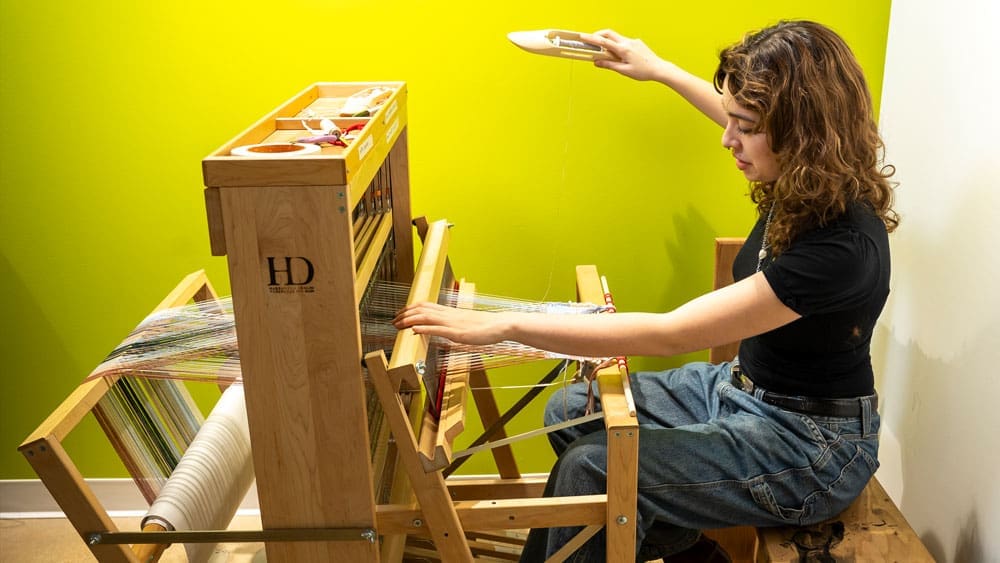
[(710, 456)]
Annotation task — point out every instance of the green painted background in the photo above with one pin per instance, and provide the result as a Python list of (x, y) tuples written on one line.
[(541, 163)]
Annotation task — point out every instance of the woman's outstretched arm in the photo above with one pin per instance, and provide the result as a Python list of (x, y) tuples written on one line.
[(746, 308)]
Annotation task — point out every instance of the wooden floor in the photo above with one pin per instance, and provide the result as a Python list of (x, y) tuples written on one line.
[(52, 540)]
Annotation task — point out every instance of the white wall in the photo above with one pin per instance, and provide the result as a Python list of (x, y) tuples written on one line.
[(937, 349)]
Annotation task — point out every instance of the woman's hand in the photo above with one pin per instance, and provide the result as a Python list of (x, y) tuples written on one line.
[(463, 326), (635, 59)]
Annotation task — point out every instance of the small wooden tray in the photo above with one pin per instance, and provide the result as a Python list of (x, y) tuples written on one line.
[(332, 165)]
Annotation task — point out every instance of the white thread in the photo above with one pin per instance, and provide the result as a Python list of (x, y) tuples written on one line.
[(502, 387), (531, 434), (562, 181)]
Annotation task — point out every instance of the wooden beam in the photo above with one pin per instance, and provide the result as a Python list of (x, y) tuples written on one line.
[(524, 487), (726, 249), (500, 514)]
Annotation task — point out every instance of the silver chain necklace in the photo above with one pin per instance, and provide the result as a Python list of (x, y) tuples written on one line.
[(763, 241)]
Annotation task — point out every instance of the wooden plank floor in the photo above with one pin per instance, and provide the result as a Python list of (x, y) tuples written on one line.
[(49, 540)]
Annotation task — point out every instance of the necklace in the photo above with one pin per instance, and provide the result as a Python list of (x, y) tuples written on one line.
[(763, 241)]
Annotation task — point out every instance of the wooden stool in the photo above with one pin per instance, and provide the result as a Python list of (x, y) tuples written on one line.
[(871, 529)]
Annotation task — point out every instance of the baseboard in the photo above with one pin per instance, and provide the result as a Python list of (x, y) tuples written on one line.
[(28, 498)]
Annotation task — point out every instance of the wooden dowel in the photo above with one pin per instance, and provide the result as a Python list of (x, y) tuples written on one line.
[(150, 552)]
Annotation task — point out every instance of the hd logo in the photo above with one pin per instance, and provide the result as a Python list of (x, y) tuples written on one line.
[(290, 274)]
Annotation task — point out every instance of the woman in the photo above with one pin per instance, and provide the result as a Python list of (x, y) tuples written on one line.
[(788, 435)]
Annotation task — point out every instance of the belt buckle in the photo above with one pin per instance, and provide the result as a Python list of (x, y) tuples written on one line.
[(742, 382)]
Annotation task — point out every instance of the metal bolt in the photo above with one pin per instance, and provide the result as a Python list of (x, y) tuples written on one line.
[(421, 367), (622, 519), (93, 539), (417, 522), (369, 535)]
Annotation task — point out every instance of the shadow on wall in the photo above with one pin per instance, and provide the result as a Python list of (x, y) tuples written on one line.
[(34, 384), (968, 549), (935, 356), (690, 254), (946, 462), (691, 251), (944, 269), (969, 546)]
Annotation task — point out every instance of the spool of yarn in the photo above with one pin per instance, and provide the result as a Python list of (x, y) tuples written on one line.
[(215, 473)]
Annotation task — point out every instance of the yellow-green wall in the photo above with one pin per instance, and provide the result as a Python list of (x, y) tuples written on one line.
[(541, 163)]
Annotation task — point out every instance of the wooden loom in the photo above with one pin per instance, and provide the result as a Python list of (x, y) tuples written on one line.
[(304, 235)]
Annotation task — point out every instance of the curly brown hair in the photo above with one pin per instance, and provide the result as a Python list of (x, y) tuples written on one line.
[(815, 107)]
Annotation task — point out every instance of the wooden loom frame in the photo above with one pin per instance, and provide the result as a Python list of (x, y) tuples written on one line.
[(302, 371), (300, 356)]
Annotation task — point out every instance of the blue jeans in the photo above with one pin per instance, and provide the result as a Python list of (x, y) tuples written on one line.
[(710, 456)]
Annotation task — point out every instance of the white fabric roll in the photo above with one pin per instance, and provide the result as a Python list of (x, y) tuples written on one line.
[(213, 476)]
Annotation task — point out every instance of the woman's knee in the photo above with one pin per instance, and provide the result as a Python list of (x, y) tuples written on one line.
[(582, 468)]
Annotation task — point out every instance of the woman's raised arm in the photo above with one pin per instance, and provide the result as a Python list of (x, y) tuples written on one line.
[(637, 61)]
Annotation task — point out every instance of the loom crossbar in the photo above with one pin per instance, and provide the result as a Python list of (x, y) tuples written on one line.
[(304, 236), (232, 536)]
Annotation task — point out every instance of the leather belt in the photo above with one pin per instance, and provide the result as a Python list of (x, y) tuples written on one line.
[(845, 408)]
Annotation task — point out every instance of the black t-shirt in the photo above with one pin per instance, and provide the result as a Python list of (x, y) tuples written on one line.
[(837, 278)]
